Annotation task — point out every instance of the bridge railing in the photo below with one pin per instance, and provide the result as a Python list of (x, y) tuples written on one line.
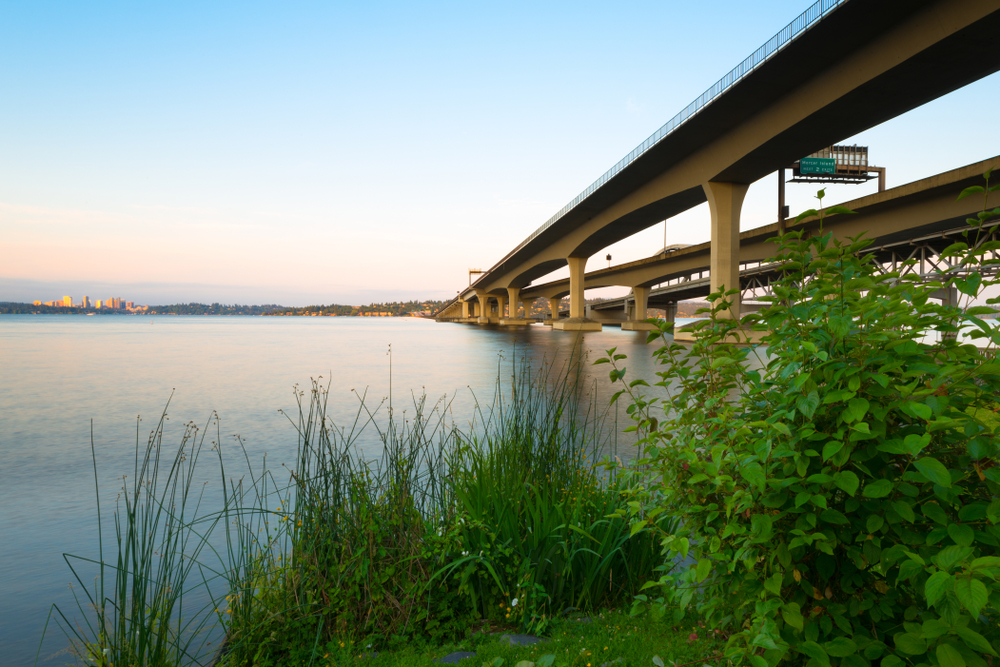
[(814, 13)]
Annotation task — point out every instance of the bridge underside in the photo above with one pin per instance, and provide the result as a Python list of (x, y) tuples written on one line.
[(860, 65)]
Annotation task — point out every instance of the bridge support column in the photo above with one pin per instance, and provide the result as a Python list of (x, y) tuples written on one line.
[(725, 201), (465, 310), (553, 310), (577, 319), (949, 299), (635, 322), (671, 310), (513, 293), (484, 307)]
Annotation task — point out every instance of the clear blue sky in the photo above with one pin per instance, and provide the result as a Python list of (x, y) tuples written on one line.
[(354, 152)]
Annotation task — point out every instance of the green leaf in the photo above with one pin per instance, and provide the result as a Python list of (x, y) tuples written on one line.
[(773, 583), (811, 213), (914, 443), (936, 586), (754, 474), (546, 660), (971, 190), (814, 651), (834, 517), (658, 661), (637, 527), (858, 407), (807, 404), (986, 561), (892, 660), (877, 489), (874, 522), (793, 615), (949, 657), (847, 482), (908, 568), (949, 557), (972, 594), (934, 512), (933, 470), (910, 644), (760, 527), (831, 448), (841, 647), (975, 641), (904, 510), (963, 535), (704, 569)]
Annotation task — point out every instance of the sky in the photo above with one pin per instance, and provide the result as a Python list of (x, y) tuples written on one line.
[(358, 152)]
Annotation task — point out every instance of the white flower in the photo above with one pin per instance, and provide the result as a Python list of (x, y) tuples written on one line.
[(513, 602), (465, 553)]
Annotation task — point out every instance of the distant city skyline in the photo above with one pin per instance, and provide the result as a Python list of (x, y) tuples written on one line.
[(112, 303), (357, 153)]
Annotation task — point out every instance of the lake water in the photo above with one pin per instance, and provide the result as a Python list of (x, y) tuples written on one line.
[(59, 373)]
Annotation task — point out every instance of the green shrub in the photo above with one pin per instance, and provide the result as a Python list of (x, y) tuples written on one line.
[(837, 486)]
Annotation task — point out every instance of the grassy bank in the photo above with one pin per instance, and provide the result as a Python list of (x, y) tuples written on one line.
[(504, 525)]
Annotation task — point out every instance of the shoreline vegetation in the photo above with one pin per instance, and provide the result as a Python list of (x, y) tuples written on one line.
[(446, 537)]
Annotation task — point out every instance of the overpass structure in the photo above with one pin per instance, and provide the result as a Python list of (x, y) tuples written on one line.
[(841, 67), (914, 222)]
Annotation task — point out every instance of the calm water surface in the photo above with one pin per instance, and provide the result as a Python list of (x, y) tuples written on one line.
[(59, 373)]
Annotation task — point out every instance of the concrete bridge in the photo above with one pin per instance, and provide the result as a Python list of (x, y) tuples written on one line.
[(841, 67), (913, 221)]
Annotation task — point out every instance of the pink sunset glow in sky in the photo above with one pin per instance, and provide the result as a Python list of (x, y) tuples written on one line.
[(355, 152)]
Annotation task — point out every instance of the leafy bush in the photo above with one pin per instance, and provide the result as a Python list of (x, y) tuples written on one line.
[(837, 487)]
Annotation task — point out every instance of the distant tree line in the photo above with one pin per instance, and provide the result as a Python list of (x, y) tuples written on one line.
[(386, 309), (214, 309)]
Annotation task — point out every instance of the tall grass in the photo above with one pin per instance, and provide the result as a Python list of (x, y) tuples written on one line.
[(443, 531), (153, 602)]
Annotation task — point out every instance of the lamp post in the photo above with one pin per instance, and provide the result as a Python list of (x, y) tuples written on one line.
[(609, 260)]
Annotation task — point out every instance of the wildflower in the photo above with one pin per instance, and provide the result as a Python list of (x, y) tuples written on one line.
[(513, 602)]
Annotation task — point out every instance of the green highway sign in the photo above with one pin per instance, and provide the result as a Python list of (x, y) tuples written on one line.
[(817, 165)]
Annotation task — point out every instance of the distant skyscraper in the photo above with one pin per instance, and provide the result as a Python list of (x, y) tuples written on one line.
[(97, 304), (67, 301), (86, 302)]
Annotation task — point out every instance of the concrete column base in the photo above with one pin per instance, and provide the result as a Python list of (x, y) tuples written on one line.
[(515, 322), (576, 324), (483, 320), (638, 325)]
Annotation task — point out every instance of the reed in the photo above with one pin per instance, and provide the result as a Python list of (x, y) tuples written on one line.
[(505, 523)]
